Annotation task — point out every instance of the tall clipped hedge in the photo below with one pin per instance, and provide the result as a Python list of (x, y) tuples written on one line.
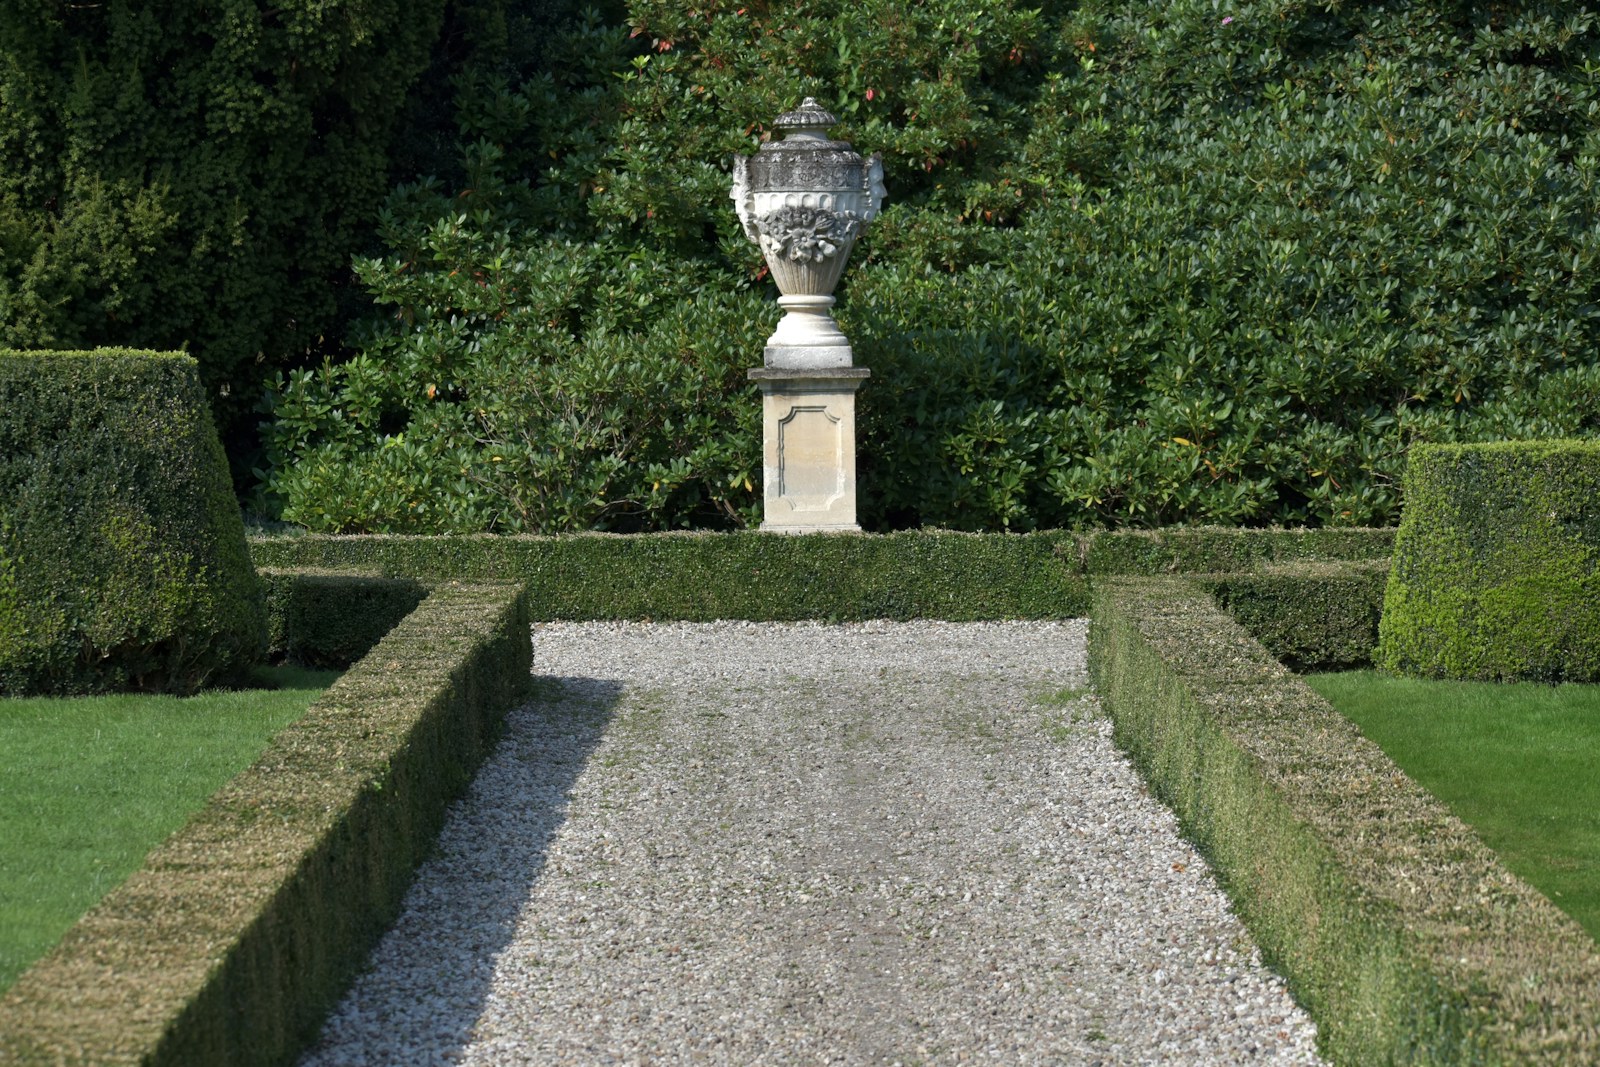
[(186, 174), (122, 554), (1496, 570), (1169, 261)]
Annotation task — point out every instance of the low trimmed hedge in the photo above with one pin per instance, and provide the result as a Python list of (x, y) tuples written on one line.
[(751, 575), (239, 933), (1310, 616), (122, 555), (1213, 549), (1395, 926), (330, 619), (704, 576), (1497, 564)]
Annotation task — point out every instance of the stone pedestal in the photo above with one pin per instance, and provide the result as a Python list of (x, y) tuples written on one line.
[(809, 432), (804, 200)]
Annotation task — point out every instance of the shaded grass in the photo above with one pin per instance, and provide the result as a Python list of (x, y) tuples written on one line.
[(1519, 762), (88, 785)]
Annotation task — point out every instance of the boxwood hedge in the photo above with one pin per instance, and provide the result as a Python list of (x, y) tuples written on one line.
[(332, 618), (1497, 564), (1310, 616), (745, 575), (751, 575), (1395, 926), (122, 554), (238, 934)]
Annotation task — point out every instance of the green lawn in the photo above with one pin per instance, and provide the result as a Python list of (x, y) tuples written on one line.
[(1520, 763), (89, 785)]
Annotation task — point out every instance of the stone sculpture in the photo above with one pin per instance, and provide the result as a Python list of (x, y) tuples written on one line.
[(804, 200)]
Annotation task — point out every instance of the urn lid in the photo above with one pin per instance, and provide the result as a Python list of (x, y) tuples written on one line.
[(807, 122)]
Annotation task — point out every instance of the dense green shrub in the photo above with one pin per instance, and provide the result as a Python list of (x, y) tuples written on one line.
[(522, 429), (1142, 264), (1327, 231), (239, 933), (122, 554), (1497, 564), (186, 174), (902, 575), (745, 575), (613, 297), (1310, 616), (1396, 927), (330, 619)]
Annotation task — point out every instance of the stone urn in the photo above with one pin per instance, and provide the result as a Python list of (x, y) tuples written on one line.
[(804, 200)]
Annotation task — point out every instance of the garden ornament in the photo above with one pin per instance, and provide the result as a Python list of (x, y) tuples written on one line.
[(804, 200)]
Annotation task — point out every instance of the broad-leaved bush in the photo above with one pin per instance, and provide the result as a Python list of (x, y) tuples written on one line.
[(1142, 264)]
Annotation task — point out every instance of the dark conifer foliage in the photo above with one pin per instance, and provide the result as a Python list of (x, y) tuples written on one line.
[(196, 174)]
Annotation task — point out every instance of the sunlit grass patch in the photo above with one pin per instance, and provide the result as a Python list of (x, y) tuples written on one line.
[(89, 785), (1516, 761)]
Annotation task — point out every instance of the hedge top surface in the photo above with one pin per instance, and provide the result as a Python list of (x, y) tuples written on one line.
[(1519, 449), (1201, 549), (749, 574)]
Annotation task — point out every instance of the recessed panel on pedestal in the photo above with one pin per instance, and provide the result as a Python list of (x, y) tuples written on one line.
[(808, 434), (811, 463)]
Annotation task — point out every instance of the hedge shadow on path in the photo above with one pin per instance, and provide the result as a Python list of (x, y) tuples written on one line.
[(464, 908)]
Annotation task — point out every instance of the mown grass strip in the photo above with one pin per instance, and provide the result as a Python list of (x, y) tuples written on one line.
[(88, 785), (232, 940), (1515, 761)]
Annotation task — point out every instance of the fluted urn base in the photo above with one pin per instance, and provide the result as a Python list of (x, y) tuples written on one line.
[(807, 338)]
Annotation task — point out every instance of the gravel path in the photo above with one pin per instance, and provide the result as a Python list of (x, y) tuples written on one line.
[(752, 843)]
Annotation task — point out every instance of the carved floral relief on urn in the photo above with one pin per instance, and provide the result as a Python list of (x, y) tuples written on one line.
[(804, 200)]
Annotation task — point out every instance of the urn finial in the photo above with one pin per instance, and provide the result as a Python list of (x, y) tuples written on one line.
[(809, 120)]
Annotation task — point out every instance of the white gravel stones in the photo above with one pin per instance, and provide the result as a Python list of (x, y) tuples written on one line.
[(754, 843)]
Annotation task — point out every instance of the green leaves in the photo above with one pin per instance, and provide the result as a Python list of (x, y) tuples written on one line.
[(1141, 265), (194, 175), (513, 392)]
